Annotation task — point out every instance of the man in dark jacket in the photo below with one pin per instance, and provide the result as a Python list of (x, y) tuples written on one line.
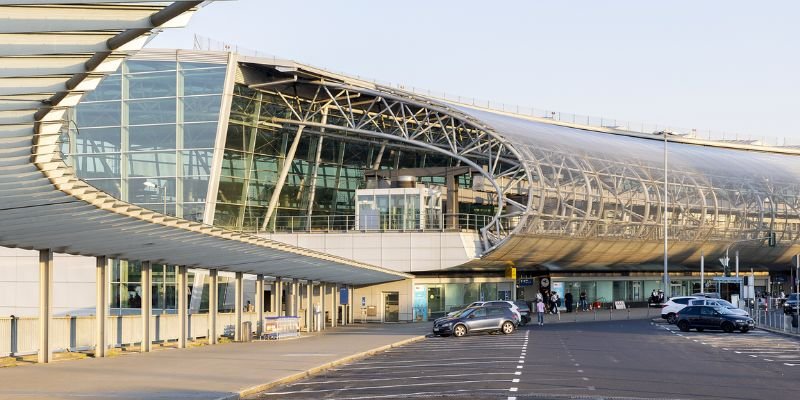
[(568, 301)]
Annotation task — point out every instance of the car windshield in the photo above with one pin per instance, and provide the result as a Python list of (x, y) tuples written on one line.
[(723, 310), (726, 303), (464, 312)]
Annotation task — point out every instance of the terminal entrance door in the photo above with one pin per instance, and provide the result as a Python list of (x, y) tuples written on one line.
[(391, 307)]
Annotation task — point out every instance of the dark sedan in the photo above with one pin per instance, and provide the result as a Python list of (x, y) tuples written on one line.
[(710, 317), (476, 319)]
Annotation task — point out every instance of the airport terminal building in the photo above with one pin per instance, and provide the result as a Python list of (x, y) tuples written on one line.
[(465, 203), (451, 193)]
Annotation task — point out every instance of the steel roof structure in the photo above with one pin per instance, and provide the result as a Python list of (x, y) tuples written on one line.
[(50, 55)]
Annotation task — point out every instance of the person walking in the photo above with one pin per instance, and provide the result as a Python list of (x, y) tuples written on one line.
[(582, 304), (540, 312), (568, 301)]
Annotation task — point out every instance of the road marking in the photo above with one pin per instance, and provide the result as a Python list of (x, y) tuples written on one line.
[(519, 366), (518, 373), (395, 378), (580, 370), (384, 387), (585, 378), (512, 398), (577, 365), (515, 381), (522, 361), (513, 389)]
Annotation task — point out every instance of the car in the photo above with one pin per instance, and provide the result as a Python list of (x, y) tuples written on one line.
[(524, 310), (712, 317), (710, 295), (719, 303), (476, 319), (462, 308), (675, 304), (790, 305), (509, 304)]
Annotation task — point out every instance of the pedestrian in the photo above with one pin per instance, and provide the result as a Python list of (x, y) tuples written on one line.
[(568, 301), (554, 303), (540, 312), (582, 304)]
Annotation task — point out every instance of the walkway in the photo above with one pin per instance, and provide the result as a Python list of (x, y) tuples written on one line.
[(224, 371)]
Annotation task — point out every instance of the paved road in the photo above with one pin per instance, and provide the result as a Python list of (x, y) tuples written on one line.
[(634, 359)]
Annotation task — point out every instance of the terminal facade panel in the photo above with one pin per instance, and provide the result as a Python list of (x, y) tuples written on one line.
[(278, 148)]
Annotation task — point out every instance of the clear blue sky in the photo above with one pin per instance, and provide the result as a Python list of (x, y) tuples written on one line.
[(724, 65)]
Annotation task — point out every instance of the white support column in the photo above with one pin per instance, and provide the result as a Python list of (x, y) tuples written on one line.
[(45, 304), (344, 309), (238, 335), (183, 315), (290, 298), (101, 306), (278, 297), (309, 309), (334, 304), (295, 298), (212, 306), (259, 304), (323, 292), (147, 305), (352, 300)]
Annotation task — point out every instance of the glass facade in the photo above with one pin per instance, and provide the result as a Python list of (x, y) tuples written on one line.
[(126, 286), (327, 169), (146, 135)]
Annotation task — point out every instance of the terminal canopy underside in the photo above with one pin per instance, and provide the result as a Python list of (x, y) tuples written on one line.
[(569, 197)]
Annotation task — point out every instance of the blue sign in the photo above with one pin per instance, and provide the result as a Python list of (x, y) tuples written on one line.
[(726, 279), (526, 282), (344, 295)]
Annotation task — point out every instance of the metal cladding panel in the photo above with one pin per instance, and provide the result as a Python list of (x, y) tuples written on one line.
[(636, 151)]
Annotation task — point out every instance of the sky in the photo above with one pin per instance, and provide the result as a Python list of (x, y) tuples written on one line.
[(727, 66)]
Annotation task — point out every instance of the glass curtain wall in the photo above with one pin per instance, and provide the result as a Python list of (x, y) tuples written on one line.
[(146, 134), (326, 170), (126, 287)]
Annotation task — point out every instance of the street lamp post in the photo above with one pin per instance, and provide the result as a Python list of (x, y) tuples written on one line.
[(666, 226)]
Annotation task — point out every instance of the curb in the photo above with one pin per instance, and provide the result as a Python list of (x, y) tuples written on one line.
[(315, 370)]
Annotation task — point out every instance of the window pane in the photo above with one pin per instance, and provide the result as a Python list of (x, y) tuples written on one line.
[(98, 114), (97, 165), (149, 66), (155, 111), (197, 162), (206, 81), (140, 193), (158, 84), (110, 186), (195, 189), (98, 140), (151, 164), (194, 212), (152, 137), (201, 108), (201, 135)]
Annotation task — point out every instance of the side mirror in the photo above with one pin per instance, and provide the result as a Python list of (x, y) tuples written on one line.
[(471, 316)]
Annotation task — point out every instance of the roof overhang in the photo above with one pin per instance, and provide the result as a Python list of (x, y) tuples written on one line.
[(50, 55)]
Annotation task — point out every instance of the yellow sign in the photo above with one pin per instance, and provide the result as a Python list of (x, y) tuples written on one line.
[(511, 273)]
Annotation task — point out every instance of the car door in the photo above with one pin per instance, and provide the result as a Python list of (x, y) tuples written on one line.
[(709, 318), (692, 315), (477, 320)]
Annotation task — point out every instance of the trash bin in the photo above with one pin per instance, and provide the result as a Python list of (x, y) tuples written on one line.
[(246, 331)]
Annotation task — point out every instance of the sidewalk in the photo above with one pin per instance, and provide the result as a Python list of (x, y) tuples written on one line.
[(226, 371), (210, 372)]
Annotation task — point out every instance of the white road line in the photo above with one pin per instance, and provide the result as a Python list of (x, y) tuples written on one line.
[(513, 389), (518, 373), (424, 365), (383, 387), (428, 360), (395, 378), (515, 381)]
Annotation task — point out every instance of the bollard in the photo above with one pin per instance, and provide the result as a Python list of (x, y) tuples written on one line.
[(629, 313), (610, 314), (595, 314)]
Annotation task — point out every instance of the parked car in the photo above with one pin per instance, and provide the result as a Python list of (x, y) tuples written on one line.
[(462, 308), (719, 303), (524, 310), (673, 305), (790, 305), (509, 304), (477, 319), (710, 295), (711, 317)]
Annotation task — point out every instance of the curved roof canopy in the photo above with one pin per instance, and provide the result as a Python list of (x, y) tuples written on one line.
[(50, 54)]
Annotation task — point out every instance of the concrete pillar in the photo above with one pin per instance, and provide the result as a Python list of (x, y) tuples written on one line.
[(352, 301), (323, 292), (295, 298), (101, 305), (309, 310), (278, 297), (274, 298), (290, 298), (259, 304), (147, 305), (334, 304), (183, 315), (238, 334), (344, 309), (45, 304), (212, 306)]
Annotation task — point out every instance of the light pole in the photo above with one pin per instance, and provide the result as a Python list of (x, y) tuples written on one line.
[(162, 193), (666, 226)]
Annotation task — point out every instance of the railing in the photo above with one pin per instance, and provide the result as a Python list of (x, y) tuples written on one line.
[(775, 319), (373, 223), (20, 335)]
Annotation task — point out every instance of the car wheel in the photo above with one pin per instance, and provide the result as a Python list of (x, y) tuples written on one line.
[(459, 330), (728, 327), (744, 329), (671, 318), (683, 326), (507, 328), (700, 329)]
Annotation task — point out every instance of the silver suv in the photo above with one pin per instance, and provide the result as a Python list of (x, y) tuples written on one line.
[(670, 309), (720, 303)]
